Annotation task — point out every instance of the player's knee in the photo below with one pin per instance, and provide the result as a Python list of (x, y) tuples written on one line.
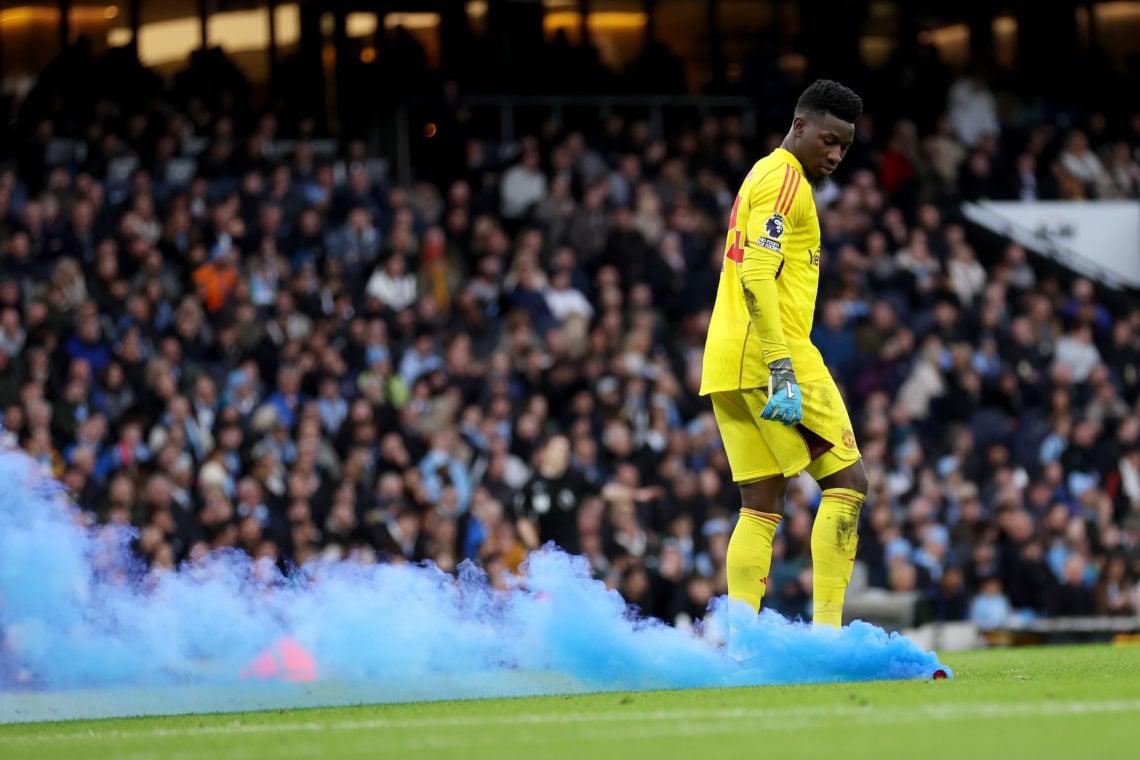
[(853, 478), (764, 495), (859, 481)]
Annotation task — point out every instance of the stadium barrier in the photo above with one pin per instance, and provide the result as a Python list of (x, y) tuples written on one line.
[(1067, 630), (890, 610)]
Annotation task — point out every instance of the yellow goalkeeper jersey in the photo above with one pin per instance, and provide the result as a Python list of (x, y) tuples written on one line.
[(773, 229)]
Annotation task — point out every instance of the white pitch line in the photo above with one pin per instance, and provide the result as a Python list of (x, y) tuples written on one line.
[(679, 722)]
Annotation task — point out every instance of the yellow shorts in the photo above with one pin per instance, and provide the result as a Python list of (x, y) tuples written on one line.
[(822, 444)]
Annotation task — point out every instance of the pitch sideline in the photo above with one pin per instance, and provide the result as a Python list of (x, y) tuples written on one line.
[(684, 721)]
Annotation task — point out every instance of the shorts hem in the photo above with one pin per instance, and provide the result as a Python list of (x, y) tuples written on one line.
[(756, 477), (838, 464)]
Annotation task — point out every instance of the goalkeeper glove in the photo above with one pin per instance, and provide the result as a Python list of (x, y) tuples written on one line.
[(785, 402)]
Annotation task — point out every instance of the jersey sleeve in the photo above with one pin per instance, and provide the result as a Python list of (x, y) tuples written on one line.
[(770, 204)]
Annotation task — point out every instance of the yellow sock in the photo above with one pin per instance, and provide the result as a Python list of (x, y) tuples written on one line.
[(834, 538), (750, 556)]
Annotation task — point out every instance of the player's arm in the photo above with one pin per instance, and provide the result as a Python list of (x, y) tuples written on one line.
[(771, 204)]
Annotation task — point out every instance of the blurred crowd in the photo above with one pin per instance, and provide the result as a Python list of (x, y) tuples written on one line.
[(288, 353)]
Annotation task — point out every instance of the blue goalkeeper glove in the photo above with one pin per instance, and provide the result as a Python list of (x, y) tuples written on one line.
[(785, 402)]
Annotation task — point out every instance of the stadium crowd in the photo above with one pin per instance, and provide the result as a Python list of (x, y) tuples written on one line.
[(293, 355)]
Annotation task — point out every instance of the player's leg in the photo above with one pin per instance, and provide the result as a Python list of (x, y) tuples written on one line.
[(762, 491), (835, 534), (834, 539), (749, 557)]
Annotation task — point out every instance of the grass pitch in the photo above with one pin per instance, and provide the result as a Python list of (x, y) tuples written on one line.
[(1052, 702)]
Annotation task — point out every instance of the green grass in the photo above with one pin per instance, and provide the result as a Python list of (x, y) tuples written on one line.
[(1054, 702)]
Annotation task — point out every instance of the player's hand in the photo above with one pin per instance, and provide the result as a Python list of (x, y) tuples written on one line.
[(785, 402)]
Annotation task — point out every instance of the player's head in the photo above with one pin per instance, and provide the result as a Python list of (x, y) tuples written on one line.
[(823, 128)]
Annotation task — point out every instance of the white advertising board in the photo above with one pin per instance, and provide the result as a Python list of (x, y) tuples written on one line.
[(1099, 239)]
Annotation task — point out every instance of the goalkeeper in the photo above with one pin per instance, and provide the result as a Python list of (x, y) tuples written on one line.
[(777, 407)]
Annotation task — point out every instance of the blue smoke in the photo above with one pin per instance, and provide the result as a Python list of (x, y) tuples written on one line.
[(79, 615)]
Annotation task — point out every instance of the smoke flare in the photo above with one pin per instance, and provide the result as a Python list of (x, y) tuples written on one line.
[(85, 631)]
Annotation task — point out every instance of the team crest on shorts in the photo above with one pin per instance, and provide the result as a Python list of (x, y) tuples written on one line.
[(848, 438), (774, 227)]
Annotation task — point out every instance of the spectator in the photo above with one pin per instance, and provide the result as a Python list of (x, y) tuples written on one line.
[(949, 599), (547, 506), (1083, 165), (87, 342), (1077, 351), (990, 609), (1124, 482), (564, 300), (392, 285), (1073, 597), (835, 338), (287, 399), (1021, 275), (12, 332), (332, 405), (1026, 185), (217, 278), (967, 277), (444, 470), (1112, 590), (523, 185), (972, 109), (420, 358), (945, 153), (1123, 171), (354, 246)]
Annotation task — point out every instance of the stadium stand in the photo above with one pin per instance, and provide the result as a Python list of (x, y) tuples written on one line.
[(231, 331)]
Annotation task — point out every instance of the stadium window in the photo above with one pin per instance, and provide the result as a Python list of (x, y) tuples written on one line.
[(952, 42), (741, 23), (357, 25), (476, 16), (616, 34), (1117, 28), (1005, 41), (411, 20), (164, 43), (29, 33), (876, 50), (423, 28), (879, 34), (682, 26)]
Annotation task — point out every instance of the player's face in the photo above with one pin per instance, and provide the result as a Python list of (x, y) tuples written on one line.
[(821, 143)]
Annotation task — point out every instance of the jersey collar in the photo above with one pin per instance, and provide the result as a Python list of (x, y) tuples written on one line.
[(790, 157)]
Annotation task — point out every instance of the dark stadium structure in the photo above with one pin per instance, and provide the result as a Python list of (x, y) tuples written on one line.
[(318, 51)]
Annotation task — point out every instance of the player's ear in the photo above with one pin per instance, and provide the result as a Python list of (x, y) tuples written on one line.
[(798, 125)]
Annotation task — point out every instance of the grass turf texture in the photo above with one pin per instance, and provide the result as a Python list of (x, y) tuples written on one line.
[(1040, 703)]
